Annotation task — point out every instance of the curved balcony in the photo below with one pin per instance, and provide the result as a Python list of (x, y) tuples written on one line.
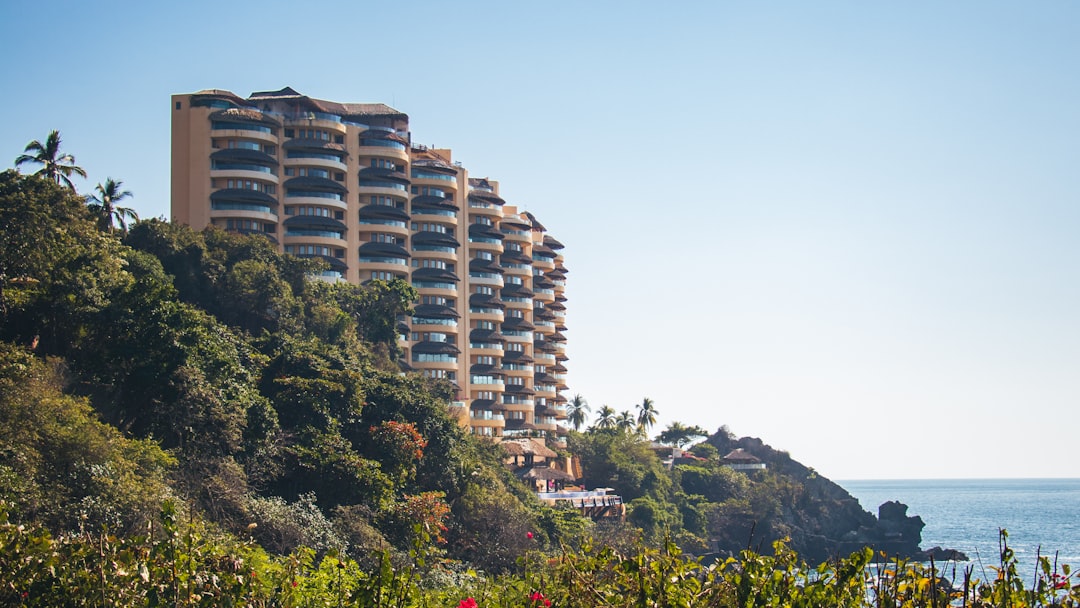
[(245, 214), (544, 295), (519, 390), (484, 197), (375, 143), (246, 201), (322, 163), (245, 118), (518, 357), (494, 315), (481, 265), (314, 222), (441, 242), (316, 120), (314, 230), (429, 347), (319, 187), (374, 180), (495, 248), (516, 236), (513, 335), (384, 254), (383, 218), (485, 336), (485, 278), (513, 290), (518, 303), (484, 369), (443, 209), (483, 300), (243, 159), (434, 173), (518, 324), (384, 212), (493, 212), (492, 349), (526, 374), (482, 233), (436, 316), (314, 152), (434, 275), (492, 420), (253, 172)]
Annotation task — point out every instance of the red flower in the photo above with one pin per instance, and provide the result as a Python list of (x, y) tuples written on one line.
[(467, 603), (528, 535)]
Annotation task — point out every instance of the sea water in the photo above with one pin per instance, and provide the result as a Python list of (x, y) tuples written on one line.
[(1042, 516)]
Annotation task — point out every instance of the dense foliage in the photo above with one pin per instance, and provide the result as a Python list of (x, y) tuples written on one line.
[(162, 362), (184, 564)]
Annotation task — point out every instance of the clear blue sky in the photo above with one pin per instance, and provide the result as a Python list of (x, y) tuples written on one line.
[(848, 228)]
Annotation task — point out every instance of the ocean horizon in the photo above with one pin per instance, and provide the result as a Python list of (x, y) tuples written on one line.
[(1039, 514)]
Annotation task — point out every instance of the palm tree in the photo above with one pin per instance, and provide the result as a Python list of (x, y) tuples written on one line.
[(103, 205), (605, 418), (54, 165), (576, 411), (646, 417), (625, 422)]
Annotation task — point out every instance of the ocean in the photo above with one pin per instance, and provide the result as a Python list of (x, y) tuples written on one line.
[(965, 514)]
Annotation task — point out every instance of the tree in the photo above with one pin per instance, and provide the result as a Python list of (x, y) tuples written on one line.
[(576, 411), (678, 434), (104, 205), (54, 165), (605, 418), (646, 415), (625, 422)]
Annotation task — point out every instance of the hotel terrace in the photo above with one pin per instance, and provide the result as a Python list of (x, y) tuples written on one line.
[(344, 183)]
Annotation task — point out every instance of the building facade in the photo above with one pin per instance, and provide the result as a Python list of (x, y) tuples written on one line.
[(344, 183)]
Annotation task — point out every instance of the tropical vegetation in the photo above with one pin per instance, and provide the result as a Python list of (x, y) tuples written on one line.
[(187, 419)]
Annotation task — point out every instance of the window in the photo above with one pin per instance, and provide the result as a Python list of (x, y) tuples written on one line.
[(382, 275), (388, 202), (178, 105)]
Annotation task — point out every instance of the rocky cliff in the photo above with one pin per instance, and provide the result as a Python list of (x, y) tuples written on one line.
[(821, 519)]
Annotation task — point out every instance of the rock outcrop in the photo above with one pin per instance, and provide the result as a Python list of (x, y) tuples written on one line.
[(820, 519)]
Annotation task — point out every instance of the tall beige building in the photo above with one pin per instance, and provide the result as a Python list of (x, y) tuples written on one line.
[(343, 182)]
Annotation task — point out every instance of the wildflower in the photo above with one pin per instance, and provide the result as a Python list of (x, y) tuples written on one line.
[(529, 535), (539, 597), (467, 603), (294, 583)]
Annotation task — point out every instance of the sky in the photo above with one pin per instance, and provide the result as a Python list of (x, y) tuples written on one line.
[(847, 228)]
